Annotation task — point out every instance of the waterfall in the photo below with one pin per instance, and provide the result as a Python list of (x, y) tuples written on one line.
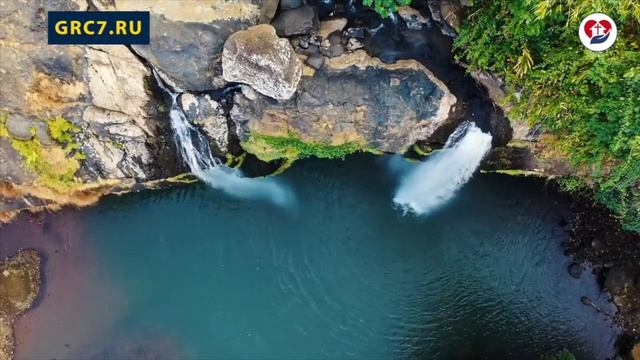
[(429, 185), (196, 153)]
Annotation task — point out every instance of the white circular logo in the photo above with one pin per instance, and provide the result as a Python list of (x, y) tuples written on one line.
[(598, 32)]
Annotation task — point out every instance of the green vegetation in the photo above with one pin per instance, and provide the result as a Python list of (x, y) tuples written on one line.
[(62, 130), (269, 148), (3, 125), (588, 102), (235, 161), (55, 165), (385, 7), (422, 150), (562, 355)]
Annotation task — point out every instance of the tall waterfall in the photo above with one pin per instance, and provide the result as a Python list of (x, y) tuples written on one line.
[(195, 151), (426, 187)]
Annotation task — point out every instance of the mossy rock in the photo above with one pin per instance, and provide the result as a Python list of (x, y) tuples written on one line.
[(19, 287), (19, 282), (268, 148), (54, 162)]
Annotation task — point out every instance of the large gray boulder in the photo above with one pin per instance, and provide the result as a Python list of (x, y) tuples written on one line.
[(259, 58), (352, 99), (188, 35)]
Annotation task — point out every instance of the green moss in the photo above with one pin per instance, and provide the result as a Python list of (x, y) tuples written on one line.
[(54, 165), (518, 144), (515, 172), (422, 150), (235, 161), (61, 129), (118, 145), (3, 125), (269, 148), (385, 7)]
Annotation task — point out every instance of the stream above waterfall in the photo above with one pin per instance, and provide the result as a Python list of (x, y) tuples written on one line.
[(193, 272)]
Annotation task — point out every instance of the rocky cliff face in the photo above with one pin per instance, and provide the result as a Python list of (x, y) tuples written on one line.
[(75, 119), (80, 121)]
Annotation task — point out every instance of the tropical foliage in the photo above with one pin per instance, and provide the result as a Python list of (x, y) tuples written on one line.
[(385, 7), (589, 102)]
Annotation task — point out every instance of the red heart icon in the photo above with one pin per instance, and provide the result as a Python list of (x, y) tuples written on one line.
[(593, 28)]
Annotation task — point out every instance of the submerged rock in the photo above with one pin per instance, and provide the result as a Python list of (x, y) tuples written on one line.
[(259, 58), (575, 270), (353, 99), (19, 287)]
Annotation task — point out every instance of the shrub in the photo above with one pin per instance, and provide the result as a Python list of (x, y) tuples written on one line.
[(385, 7), (589, 101)]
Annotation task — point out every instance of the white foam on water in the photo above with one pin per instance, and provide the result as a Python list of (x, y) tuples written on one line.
[(195, 151), (431, 184)]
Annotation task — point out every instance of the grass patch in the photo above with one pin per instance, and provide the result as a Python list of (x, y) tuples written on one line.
[(269, 148), (54, 165)]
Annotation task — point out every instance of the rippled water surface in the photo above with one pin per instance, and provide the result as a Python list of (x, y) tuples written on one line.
[(190, 272)]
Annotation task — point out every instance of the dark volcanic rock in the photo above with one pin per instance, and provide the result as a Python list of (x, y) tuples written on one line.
[(191, 55), (354, 99), (315, 61), (186, 41), (597, 237), (300, 21), (575, 270), (268, 11), (290, 4)]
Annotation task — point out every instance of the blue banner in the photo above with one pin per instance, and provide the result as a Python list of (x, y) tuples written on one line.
[(98, 27)]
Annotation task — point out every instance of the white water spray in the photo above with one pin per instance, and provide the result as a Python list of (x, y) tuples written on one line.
[(195, 151), (432, 183)]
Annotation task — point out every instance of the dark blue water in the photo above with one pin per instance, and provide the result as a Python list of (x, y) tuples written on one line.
[(191, 272)]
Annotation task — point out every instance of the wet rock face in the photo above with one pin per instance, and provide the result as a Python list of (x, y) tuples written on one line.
[(259, 58), (209, 116), (19, 287), (353, 99)]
